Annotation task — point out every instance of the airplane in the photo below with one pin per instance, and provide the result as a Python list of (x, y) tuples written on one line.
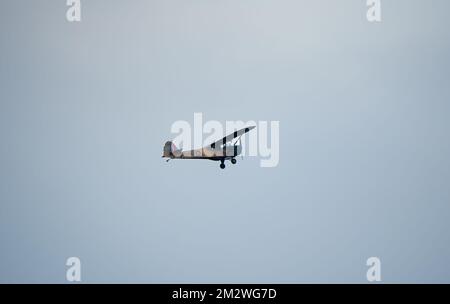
[(217, 151)]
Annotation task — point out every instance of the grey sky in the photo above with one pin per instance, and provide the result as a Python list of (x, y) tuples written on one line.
[(85, 109)]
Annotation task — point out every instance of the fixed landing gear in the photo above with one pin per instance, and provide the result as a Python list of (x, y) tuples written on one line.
[(222, 162)]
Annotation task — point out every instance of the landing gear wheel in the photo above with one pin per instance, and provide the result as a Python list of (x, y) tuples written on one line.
[(222, 166), (233, 161)]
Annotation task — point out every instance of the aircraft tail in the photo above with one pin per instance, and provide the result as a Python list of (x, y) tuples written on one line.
[(169, 148)]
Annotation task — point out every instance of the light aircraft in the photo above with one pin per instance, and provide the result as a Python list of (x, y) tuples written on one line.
[(217, 151)]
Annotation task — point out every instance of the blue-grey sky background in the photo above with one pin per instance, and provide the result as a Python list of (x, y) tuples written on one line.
[(85, 109)]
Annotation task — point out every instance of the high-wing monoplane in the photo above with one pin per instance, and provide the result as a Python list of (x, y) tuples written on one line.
[(220, 150)]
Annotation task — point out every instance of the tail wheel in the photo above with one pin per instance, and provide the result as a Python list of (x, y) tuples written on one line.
[(233, 161)]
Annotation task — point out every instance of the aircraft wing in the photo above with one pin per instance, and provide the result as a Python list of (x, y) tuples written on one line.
[(231, 136)]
